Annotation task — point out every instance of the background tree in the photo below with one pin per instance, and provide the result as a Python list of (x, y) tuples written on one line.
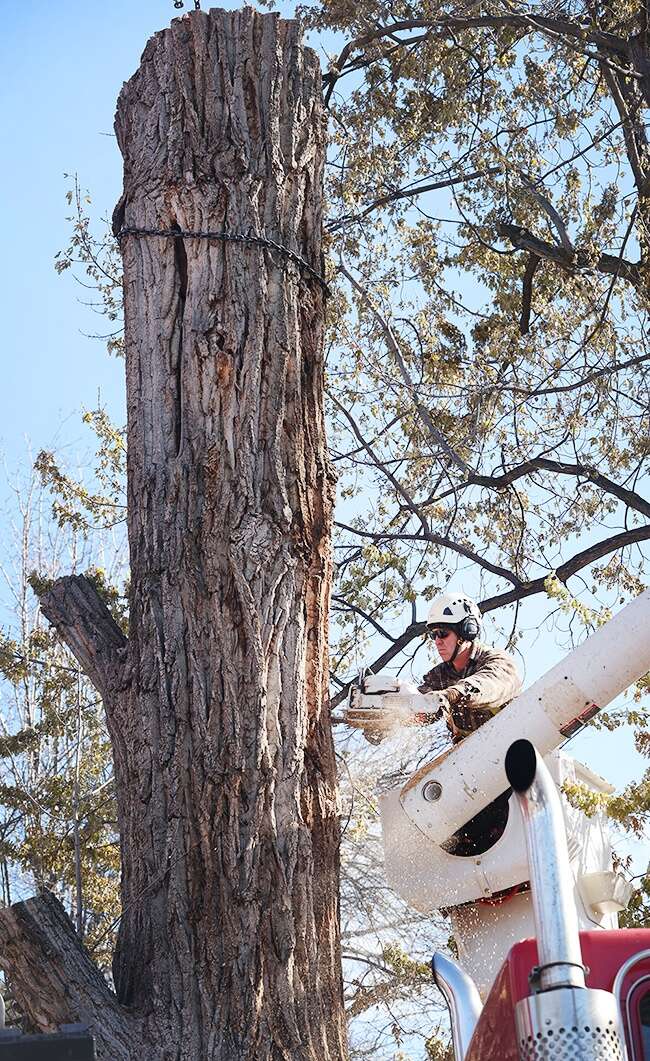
[(57, 815), (488, 361), (56, 791), (392, 1005), (488, 223)]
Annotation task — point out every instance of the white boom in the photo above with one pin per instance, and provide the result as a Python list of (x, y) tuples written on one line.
[(446, 793)]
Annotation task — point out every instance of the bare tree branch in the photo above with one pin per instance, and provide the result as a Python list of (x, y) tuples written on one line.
[(436, 539), (610, 264), (630, 132), (393, 346), (611, 369), (577, 563), (410, 193), (349, 606), (395, 483), (583, 471), (548, 208)]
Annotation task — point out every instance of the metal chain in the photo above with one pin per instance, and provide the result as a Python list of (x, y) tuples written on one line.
[(225, 237)]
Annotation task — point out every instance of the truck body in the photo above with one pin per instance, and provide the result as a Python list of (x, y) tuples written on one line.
[(562, 994)]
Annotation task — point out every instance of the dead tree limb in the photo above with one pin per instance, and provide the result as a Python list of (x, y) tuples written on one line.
[(55, 981), (527, 293), (82, 620)]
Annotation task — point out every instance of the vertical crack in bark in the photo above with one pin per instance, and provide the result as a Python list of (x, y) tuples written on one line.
[(229, 824), (180, 257)]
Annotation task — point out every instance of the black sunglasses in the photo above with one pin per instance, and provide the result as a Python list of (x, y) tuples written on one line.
[(438, 635)]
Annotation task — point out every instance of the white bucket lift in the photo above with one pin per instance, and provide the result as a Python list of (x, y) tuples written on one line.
[(429, 877), (420, 818)]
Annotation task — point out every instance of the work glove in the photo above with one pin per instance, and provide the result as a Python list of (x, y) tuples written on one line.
[(383, 703)]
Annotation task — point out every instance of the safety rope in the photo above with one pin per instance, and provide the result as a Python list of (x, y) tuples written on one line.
[(226, 237)]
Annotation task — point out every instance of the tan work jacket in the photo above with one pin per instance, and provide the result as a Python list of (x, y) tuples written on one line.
[(490, 681)]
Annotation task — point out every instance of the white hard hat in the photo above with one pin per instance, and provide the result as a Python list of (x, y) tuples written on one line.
[(450, 609)]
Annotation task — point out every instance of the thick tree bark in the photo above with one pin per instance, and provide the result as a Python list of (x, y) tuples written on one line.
[(228, 945)]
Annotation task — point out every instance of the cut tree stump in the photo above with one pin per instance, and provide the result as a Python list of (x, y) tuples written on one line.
[(228, 944)]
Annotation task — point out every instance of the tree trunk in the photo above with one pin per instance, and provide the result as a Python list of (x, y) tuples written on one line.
[(228, 944)]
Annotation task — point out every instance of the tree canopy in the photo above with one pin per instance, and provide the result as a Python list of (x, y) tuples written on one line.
[(487, 226)]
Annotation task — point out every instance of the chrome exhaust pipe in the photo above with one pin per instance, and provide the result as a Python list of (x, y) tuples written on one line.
[(562, 1017), (462, 998), (551, 881)]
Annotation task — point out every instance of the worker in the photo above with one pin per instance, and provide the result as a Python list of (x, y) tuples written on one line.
[(470, 684), (475, 680)]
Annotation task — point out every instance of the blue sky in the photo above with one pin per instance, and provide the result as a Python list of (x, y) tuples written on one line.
[(63, 66)]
